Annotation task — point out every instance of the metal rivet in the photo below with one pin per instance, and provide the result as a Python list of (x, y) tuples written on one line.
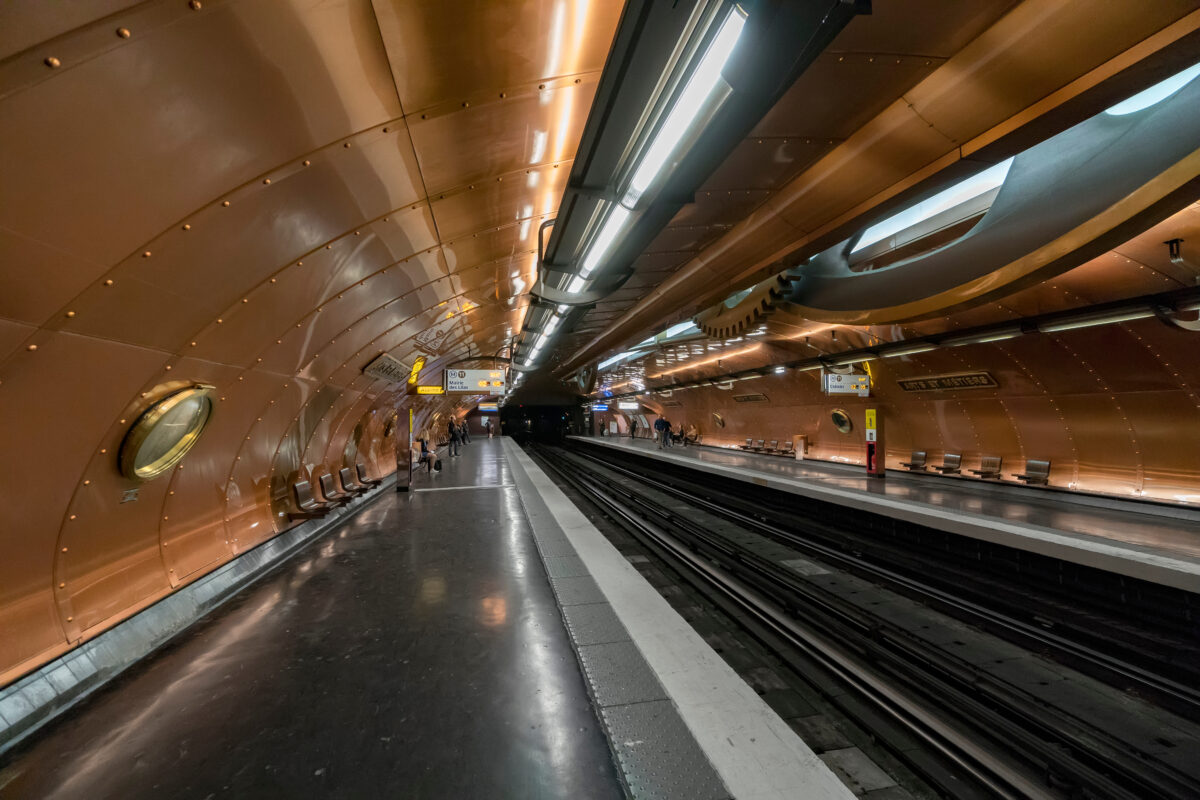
[(187, 227), (53, 63), (108, 282), (503, 95), (31, 347), (193, 344), (225, 203), (466, 104), (194, 5), (70, 619), (64, 549), (241, 377), (62, 586), (267, 181), (167, 367), (424, 116), (123, 33), (541, 86), (272, 280), (146, 254), (70, 313), (245, 300), (346, 145), (103, 450), (219, 320), (307, 163)]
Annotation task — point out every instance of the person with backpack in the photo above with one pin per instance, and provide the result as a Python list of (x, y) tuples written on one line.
[(454, 439)]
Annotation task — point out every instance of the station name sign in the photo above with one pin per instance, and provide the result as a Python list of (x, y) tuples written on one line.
[(628, 405), (477, 381), (386, 368), (430, 389), (945, 383)]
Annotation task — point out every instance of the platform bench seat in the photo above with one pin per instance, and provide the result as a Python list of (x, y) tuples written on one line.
[(350, 484), (771, 447), (786, 450), (309, 506), (917, 462), (331, 492), (951, 464), (1037, 472), (759, 445), (748, 445), (989, 467), (364, 478)]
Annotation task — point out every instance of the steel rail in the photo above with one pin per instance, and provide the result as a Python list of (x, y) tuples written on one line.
[(1020, 723)]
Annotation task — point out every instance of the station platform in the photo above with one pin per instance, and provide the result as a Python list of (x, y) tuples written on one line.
[(1153, 543), (475, 636)]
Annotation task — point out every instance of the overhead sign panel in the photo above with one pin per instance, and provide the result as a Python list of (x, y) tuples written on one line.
[(854, 383), (386, 368), (475, 381), (488, 408), (626, 405)]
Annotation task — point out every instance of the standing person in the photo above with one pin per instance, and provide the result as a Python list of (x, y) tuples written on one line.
[(667, 436), (464, 430), (633, 427), (454, 440), (487, 426), (660, 428)]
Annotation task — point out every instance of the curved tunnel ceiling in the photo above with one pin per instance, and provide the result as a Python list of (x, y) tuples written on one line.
[(261, 196)]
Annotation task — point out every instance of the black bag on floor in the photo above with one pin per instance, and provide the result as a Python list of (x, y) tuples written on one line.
[(438, 465)]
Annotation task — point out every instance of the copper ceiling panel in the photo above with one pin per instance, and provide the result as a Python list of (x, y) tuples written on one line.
[(172, 123), (60, 276), (12, 335), (503, 200), (504, 136), (481, 45), (766, 163), (23, 25)]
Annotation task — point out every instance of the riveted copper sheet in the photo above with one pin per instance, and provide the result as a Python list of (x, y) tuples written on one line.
[(262, 196)]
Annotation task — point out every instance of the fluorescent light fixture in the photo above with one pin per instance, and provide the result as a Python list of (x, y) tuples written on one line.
[(619, 357), (683, 327), (604, 239), (780, 370), (959, 193), (809, 368), (846, 360), (908, 351), (1156, 93), (687, 108), (576, 285), (1088, 322), (983, 338)]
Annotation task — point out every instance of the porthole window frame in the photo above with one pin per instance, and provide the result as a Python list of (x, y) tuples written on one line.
[(139, 432), (847, 427)]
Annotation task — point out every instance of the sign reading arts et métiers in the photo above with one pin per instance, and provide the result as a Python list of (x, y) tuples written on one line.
[(942, 383), (386, 368), (476, 381)]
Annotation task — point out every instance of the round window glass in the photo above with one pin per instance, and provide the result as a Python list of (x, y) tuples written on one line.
[(718, 420), (162, 436), (841, 421)]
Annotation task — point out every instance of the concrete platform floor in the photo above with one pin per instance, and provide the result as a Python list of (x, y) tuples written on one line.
[(417, 652)]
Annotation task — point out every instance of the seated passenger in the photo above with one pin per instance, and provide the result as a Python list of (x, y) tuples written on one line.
[(426, 457), (691, 435)]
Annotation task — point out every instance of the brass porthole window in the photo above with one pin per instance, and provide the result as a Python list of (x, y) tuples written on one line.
[(389, 427), (165, 432), (841, 421), (718, 420)]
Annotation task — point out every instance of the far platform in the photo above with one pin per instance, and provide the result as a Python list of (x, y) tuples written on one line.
[(1153, 543)]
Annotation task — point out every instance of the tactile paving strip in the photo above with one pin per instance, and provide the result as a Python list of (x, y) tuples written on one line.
[(596, 623), (619, 674), (658, 755), (577, 591)]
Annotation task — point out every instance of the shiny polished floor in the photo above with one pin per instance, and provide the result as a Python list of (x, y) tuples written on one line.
[(1124, 522), (417, 652)]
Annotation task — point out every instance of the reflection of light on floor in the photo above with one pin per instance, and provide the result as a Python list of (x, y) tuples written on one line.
[(433, 589), (495, 610)]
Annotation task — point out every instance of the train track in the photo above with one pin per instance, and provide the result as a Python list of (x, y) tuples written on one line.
[(978, 736)]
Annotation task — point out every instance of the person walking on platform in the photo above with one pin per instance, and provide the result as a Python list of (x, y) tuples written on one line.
[(487, 426), (668, 437), (632, 427), (464, 430), (660, 431), (454, 440)]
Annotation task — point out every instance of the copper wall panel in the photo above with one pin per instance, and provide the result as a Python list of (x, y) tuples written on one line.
[(257, 221)]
